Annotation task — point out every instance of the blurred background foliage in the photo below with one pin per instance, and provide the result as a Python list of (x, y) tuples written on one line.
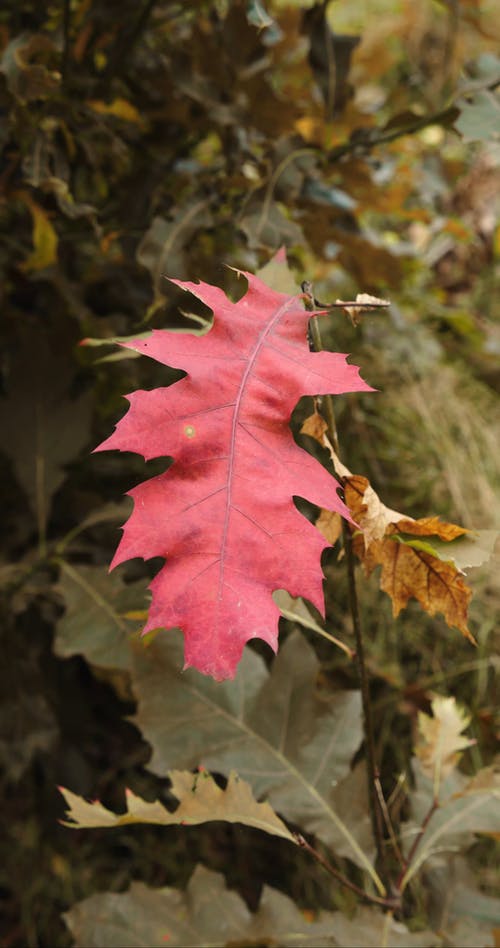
[(142, 140)]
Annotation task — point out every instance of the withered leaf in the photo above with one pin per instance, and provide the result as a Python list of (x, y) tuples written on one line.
[(201, 800), (411, 573), (440, 736), (383, 537)]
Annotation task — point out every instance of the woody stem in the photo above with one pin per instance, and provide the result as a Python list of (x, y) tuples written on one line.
[(369, 737)]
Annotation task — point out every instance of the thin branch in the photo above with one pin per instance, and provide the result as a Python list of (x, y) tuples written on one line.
[(390, 902), (372, 770), (416, 843), (343, 304), (368, 140), (388, 822)]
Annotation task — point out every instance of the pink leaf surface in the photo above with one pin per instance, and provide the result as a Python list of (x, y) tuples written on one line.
[(223, 515)]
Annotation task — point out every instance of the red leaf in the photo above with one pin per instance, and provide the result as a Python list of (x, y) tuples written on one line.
[(223, 514)]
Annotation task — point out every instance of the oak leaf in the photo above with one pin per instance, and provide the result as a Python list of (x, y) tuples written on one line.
[(201, 800), (223, 514), (440, 737), (208, 913), (411, 566), (291, 742), (409, 572)]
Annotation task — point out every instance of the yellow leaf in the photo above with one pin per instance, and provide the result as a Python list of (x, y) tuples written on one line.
[(441, 739), (44, 238), (119, 107), (201, 800)]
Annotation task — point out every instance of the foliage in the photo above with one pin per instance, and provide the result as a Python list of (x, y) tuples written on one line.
[(165, 914), (162, 138), (224, 511)]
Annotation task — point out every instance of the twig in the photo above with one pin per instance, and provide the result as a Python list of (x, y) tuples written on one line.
[(391, 902), (307, 289), (445, 116), (372, 770), (373, 773), (388, 822), (345, 303), (416, 843)]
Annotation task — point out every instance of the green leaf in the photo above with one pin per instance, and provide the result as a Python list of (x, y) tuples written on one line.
[(201, 800), (473, 549), (207, 915), (97, 622), (371, 928), (459, 908), (321, 193), (45, 239), (479, 119), (43, 427), (466, 806), (277, 274), (257, 15), (114, 340), (293, 745), (163, 247), (296, 610), (271, 228)]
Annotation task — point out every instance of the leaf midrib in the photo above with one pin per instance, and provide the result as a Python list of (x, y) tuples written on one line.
[(253, 356)]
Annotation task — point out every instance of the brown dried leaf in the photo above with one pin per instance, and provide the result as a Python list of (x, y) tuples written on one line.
[(367, 509), (430, 526), (330, 525), (365, 302), (412, 573), (315, 426), (410, 568)]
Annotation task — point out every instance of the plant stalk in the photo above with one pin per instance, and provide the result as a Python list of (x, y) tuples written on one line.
[(371, 764), (373, 777)]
